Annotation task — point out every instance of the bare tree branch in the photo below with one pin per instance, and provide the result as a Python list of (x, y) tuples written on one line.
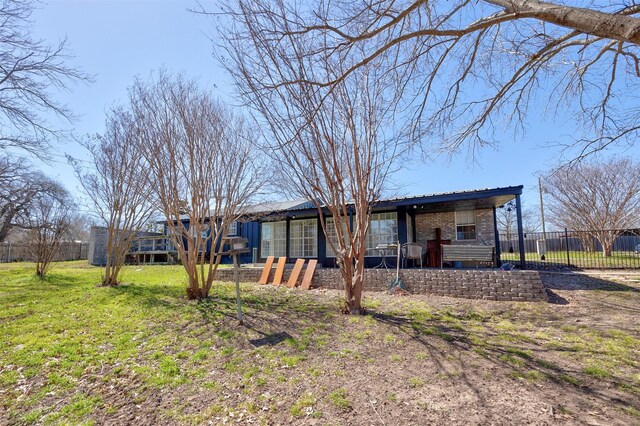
[(204, 169), (462, 69), (20, 187), (29, 70), (49, 222), (602, 198), (119, 187)]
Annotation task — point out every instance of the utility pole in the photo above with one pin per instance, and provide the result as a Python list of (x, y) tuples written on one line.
[(544, 232)]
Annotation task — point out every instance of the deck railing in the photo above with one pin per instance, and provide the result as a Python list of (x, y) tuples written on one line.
[(152, 244)]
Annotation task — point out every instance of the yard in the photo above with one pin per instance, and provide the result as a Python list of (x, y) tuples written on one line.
[(74, 353), (578, 259)]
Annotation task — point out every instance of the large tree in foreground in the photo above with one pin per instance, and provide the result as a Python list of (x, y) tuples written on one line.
[(118, 184), (334, 147), (29, 70), (465, 68), (203, 165), (602, 198)]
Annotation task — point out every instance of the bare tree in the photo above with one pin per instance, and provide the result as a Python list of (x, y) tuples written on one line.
[(204, 167), (464, 68), (117, 182), (337, 144), (507, 219), (49, 220), (29, 69), (20, 186), (602, 198), (80, 227)]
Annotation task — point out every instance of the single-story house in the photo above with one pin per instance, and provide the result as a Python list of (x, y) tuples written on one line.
[(292, 228)]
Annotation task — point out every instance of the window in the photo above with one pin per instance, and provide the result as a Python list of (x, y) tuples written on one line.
[(204, 231), (465, 225), (273, 239), (204, 235), (233, 229), (383, 229), (303, 238), (331, 234)]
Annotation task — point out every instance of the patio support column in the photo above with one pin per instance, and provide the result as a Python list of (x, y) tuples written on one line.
[(288, 236), (322, 242), (496, 236), (520, 233)]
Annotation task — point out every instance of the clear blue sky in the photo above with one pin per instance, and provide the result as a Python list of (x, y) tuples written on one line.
[(118, 40)]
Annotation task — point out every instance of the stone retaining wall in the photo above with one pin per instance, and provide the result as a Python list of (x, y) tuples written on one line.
[(464, 283)]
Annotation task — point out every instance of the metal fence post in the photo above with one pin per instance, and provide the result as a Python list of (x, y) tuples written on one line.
[(566, 237)]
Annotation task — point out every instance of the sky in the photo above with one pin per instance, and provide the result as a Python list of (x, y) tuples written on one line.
[(118, 40)]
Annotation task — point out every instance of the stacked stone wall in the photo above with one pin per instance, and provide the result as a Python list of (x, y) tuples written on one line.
[(463, 283)]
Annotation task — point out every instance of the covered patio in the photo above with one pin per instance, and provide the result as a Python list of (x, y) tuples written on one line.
[(455, 219)]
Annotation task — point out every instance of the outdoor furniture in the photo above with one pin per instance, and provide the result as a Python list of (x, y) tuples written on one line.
[(385, 250), (412, 251), (485, 254)]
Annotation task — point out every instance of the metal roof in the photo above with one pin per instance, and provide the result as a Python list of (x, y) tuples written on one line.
[(279, 206), (436, 202), (442, 201)]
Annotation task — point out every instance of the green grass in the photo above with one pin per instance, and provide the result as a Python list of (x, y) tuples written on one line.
[(416, 382), (69, 349), (578, 258), (339, 399), (304, 406)]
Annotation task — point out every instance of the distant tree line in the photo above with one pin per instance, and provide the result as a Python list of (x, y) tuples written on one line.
[(33, 206)]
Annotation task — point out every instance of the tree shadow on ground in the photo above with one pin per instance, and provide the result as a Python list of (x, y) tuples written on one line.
[(455, 345), (555, 298), (261, 311), (150, 295), (572, 281)]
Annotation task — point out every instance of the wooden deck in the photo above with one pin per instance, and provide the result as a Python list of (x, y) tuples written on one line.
[(152, 249)]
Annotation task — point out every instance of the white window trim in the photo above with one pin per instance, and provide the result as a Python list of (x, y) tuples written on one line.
[(370, 252), (272, 240), (303, 237), (475, 225), (330, 226), (232, 230)]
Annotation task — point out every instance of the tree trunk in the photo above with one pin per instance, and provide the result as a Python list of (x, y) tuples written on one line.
[(195, 293), (353, 279)]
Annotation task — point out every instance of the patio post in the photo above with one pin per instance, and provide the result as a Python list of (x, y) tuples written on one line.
[(523, 265), (496, 235)]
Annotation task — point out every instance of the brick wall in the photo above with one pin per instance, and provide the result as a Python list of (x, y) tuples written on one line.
[(463, 283), (446, 221)]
